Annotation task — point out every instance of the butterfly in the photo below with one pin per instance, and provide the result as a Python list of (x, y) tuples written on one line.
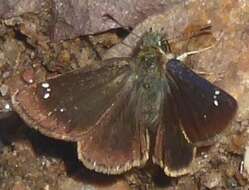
[(126, 112)]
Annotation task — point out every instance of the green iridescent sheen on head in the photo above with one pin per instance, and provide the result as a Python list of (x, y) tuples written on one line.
[(149, 56), (154, 40)]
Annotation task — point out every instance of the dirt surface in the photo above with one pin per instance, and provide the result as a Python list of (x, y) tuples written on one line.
[(31, 161)]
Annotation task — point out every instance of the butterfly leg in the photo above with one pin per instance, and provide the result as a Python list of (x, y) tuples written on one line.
[(183, 56)]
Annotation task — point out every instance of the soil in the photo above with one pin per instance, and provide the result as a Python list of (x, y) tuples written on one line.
[(32, 161)]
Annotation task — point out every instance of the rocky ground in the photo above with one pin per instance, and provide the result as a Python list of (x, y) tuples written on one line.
[(35, 45)]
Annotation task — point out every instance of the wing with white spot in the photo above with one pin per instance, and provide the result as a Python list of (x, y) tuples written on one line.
[(67, 106), (97, 109), (204, 109)]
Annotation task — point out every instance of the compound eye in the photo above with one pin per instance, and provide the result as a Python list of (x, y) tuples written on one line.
[(146, 85), (150, 65)]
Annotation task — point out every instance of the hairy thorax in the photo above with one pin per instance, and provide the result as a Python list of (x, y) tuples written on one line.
[(149, 84)]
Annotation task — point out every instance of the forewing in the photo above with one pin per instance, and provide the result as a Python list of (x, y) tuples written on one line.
[(204, 109), (173, 151), (119, 141), (67, 106)]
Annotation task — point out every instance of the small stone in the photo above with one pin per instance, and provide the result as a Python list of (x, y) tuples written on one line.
[(6, 74), (240, 179), (24, 147), (212, 179), (4, 90), (231, 183), (246, 159), (69, 184), (47, 187), (238, 143), (28, 76), (5, 107), (230, 171), (19, 185), (64, 56), (187, 183)]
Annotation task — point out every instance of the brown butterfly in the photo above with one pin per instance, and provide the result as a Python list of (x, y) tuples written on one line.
[(130, 110)]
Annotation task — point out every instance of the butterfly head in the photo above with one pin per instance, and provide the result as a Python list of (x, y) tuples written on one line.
[(152, 49), (154, 40)]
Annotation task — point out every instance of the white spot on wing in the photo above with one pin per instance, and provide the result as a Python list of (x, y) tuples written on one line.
[(45, 85), (216, 103), (46, 96), (216, 92)]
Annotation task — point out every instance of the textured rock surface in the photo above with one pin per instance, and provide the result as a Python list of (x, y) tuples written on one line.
[(30, 161)]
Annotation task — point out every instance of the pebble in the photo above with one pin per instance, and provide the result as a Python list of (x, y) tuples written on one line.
[(4, 89), (20, 186), (28, 76), (238, 143), (212, 179), (69, 184), (187, 183), (246, 159)]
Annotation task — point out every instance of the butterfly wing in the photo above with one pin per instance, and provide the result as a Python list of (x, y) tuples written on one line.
[(120, 142), (93, 107), (67, 106), (204, 109), (173, 151), (193, 110)]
